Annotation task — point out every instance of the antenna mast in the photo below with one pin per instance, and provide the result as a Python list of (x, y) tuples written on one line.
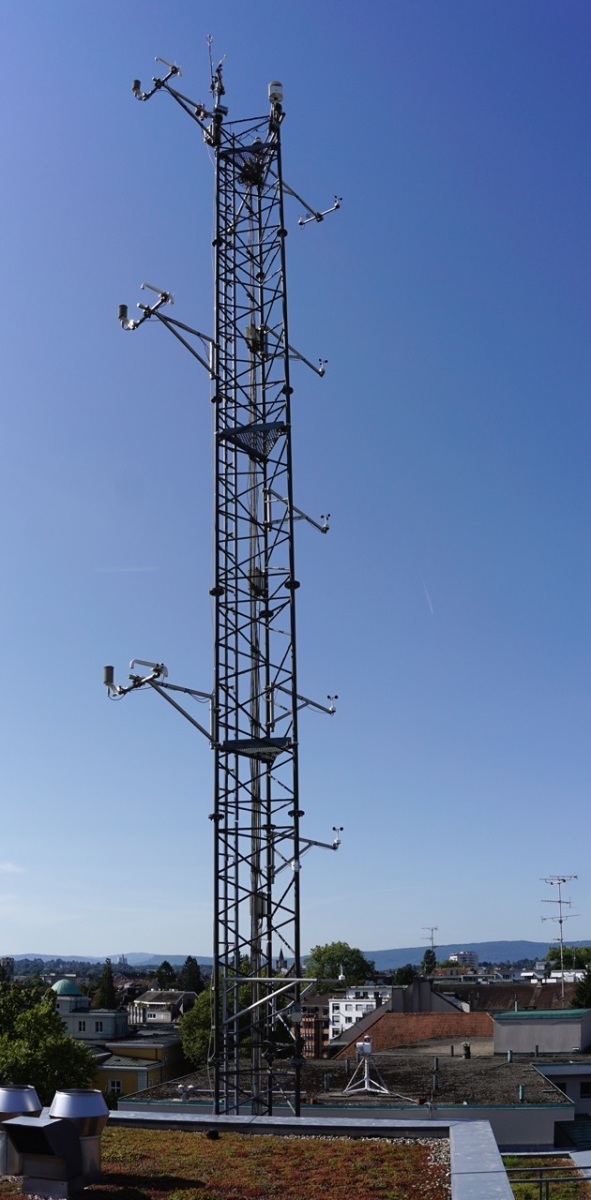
[(432, 930), (558, 881), (255, 703)]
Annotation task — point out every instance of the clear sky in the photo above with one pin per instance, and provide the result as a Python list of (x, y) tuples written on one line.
[(450, 604)]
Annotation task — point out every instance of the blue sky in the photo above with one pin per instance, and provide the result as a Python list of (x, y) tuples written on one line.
[(449, 605)]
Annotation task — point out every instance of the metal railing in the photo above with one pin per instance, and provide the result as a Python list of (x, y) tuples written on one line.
[(545, 1177)]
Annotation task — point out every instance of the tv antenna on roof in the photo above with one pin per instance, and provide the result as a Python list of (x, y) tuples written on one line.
[(431, 935), (558, 881)]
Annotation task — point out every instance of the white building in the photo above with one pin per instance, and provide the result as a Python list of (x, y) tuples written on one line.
[(162, 1008), (464, 958), (357, 1001)]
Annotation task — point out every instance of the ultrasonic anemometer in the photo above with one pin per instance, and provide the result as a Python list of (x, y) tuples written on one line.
[(254, 702)]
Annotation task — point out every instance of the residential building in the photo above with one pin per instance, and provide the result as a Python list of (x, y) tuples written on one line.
[(124, 1063), (84, 1023), (315, 1027), (142, 1061), (465, 958), (346, 1010), (160, 1008)]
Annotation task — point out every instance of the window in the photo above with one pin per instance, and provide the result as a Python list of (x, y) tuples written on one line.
[(348, 1007), (349, 1020), (81, 1026), (98, 1027), (115, 1086), (151, 1016), (585, 1091), (336, 1008)]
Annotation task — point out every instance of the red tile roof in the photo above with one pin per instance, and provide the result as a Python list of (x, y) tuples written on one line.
[(390, 1030)]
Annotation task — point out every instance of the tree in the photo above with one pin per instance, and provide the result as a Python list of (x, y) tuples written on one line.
[(429, 962), (582, 993), (165, 975), (404, 975), (195, 1030), (17, 998), (337, 959), (189, 978), (105, 995), (33, 1046), (574, 956)]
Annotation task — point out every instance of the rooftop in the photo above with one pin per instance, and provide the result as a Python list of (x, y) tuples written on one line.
[(157, 1163), (539, 1014), (66, 987), (121, 1060), (502, 997), (169, 997), (483, 1081), (389, 1030)]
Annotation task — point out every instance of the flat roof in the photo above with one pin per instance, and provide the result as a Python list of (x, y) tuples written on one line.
[(485, 1082), (115, 1061), (556, 1014)]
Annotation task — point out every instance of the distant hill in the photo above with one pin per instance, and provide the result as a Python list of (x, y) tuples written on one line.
[(385, 960), (136, 959), (494, 952)]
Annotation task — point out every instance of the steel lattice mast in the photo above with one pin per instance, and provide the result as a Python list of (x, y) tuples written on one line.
[(255, 701)]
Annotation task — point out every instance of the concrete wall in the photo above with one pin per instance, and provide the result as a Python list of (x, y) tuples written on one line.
[(551, 1036), (519, 1125)]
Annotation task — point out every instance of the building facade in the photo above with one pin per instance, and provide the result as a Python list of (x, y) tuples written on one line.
[(344, 1011)]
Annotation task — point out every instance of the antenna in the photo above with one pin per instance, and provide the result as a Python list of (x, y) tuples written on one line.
[(432, 929), (255, 701), (558, 881)]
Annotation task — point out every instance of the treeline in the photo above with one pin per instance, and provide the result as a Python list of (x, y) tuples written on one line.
[(36, 967), (188, 977)]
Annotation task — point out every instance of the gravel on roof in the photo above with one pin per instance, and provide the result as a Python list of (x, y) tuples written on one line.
[(409, 1078)]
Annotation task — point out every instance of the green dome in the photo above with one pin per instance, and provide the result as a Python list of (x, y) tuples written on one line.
[(66, 987)]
